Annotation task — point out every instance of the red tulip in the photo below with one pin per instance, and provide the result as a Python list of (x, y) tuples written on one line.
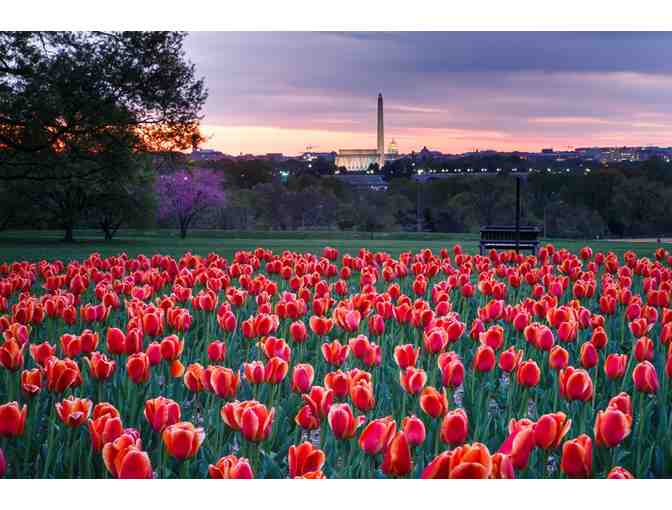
[(362, 395), (334, 353), (406, 355), (412, 380), (304, 459), (509, 359), (161, 412), (251, 418), (275, 370), (644, 349), (520, 442), (342, 422), (619, 473), (528, 374), (575, 384), (611, 427), (182, 440), (645, 377), (577, 457), (550, 429), (217, 351), (302, 377), (397, 460), (558, 358), (338, 382), (471, 461), (137, 367), (454, 427), (502, 467), (74, 412), (104, 429), (588, 355), (484, 358), (615, 365), (11, 355), (452, 369), (414, 429), (42, 352), (193, 377), (433, 403), (377, 435), (100, 366), (12, 419), (493, 337), (124, 458), (231, 468)]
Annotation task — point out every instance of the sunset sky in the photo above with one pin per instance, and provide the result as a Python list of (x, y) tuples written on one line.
[(450, 91)]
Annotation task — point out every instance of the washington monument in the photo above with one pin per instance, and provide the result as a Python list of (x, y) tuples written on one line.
[(381, 133)]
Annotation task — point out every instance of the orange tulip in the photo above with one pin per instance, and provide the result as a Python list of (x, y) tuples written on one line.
[(412, 380), (137, 367), (342, 422), (100, 366), (433, 403), (11, 355), (161, 412), (414, 429), (471, 461), (31, 381), (12, 419), (377, 434), (182, 440), (231, 468), (528, 374), (124, 458), (550, 429), (645, 377), (577, 457), (362, 395), (304, 459), (454, 427), (193, 377), (397, 460), (339, 382), (611, 427), (74, 411)]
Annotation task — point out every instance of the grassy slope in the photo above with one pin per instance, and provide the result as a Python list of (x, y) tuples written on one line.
[(33, 245)]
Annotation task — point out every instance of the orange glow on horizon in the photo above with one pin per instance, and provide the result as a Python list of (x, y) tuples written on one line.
[(260, 140)]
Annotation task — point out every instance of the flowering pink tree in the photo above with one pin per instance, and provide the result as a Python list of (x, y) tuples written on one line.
[(186, 196)]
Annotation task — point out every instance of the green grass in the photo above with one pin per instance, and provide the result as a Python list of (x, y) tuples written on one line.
[(37, 245)]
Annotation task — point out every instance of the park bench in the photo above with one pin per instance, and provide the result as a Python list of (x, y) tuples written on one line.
[(503, 237)]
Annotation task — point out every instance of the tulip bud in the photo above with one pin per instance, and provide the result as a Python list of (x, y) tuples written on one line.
[(484, 358), (12, 419), (615, 365), (397, 460), (588, 355), (231, 468), (577, 457), (217, 351), (528, 374), (302, 377), (412, 380), (558, 358), (182, 440), (433, 403), (454, 427), (645, 377), (414, 429), (611, 427)]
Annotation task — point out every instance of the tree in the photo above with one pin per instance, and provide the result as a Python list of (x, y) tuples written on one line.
[(185, 197), (79, 108)]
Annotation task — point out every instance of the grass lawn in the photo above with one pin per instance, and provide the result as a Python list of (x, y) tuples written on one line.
[(37, 245)]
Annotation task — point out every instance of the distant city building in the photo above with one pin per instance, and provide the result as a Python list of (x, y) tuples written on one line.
[(312, 156), (359, 160), (207, 155), (372, 182)]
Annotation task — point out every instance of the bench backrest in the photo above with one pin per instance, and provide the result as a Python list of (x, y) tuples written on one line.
[(508, 233)]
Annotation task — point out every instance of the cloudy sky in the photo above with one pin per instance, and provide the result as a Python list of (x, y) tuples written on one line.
[(451, 91)]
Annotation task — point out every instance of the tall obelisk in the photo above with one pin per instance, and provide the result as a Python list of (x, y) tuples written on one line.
[(381, 133)]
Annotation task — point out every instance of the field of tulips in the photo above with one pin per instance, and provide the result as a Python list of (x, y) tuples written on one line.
[(337, 365)]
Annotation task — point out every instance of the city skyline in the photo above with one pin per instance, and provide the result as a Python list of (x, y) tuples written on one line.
[(450, 91)]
